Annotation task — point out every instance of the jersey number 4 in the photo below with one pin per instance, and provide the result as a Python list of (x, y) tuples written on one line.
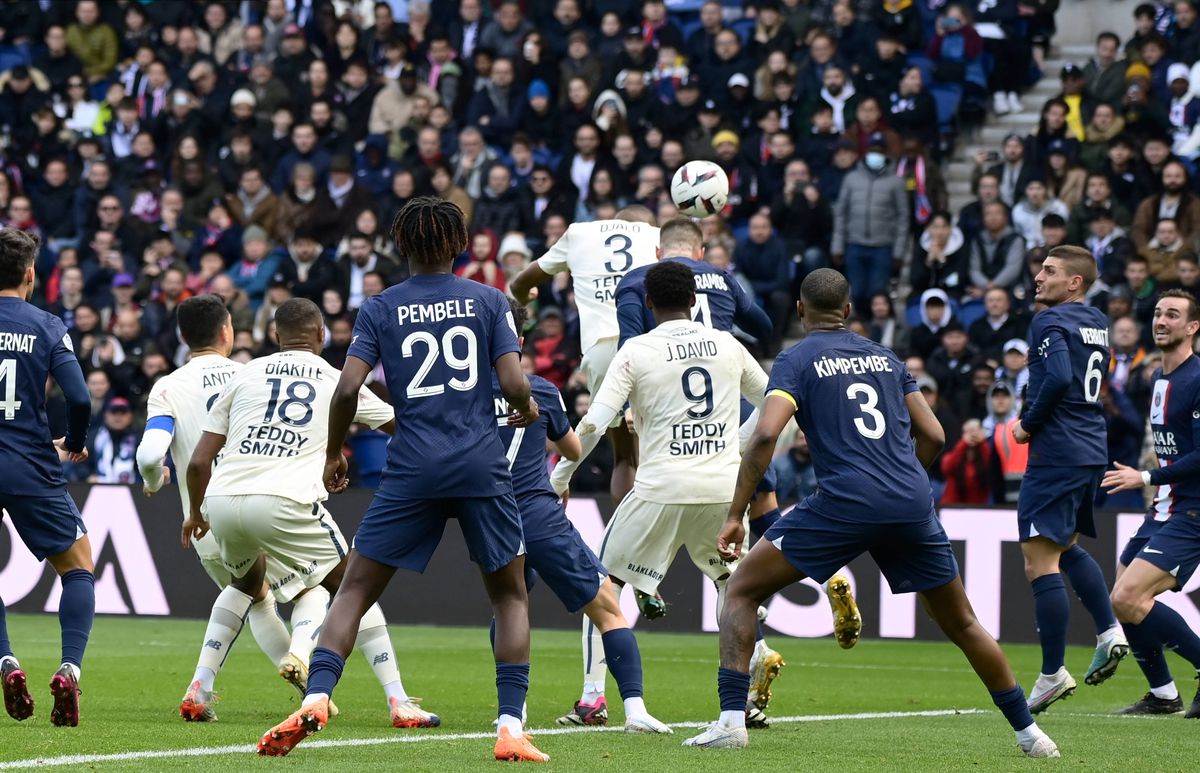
[(8, 387)]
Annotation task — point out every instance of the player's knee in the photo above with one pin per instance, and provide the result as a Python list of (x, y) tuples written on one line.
[(1128, 604)]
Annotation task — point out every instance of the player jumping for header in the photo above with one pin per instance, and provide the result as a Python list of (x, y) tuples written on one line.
[(871, 436)]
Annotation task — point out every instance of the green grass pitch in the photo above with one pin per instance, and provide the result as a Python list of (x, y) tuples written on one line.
[(136, 671)]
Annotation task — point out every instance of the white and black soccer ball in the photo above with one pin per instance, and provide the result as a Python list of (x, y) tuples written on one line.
[(700, 188)]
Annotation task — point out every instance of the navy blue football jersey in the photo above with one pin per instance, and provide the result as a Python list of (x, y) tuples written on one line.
[(849, 394), (1175, 422), (719, 298), (32, 343), (1068, 364), (437, 336), (526, 451)]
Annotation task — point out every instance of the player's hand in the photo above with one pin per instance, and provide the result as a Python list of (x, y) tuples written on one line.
[(524, 418), (335, 477), (65, 455), (166, 478), (730, 539), (629, 421), (195, 527), (1019, 434), (1124, 478), (566, 496)]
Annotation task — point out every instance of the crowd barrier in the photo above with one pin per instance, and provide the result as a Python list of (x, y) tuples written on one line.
[(142, 570)]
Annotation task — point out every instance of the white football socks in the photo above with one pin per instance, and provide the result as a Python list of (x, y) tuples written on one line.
[(224, 624), (376, 646), (514, 725), (635, 707), (308, 615), (595, 667), (269, 630), (1167, 692), (1030, 734), (733, 719)]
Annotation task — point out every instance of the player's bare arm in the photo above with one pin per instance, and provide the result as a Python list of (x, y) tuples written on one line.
[(516, 390), (342, 409), (199, 473), (569, 446), (927, 431), (777, 411), (524, 285)]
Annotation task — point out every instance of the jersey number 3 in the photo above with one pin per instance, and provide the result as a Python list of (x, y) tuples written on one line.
[(871, 424), (623, 250), (8, 387)]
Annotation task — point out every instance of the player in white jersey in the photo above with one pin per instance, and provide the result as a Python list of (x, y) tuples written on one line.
[(175, 422), (683, 381), (598, 255), (263, 498)]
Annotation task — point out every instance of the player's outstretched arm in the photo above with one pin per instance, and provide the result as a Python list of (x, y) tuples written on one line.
[(152, 452), (569, 446), (777, 411), (927, 431), (516, 389), (533, 276), (199, 473)]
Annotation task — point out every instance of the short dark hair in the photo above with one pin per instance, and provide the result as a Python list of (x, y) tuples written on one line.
[(1116, 39), (825, 290), (296, 314), (679, 231), (1079, 262), (201, 319), (1193, 312), (670, 285), (18, 250), (430, 231)]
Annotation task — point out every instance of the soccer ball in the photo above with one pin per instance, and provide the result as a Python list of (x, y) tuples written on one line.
[(700, 188)]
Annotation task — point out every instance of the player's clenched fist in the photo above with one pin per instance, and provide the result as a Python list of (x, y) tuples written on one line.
[(335, 477), (523, 418), (730, 538)]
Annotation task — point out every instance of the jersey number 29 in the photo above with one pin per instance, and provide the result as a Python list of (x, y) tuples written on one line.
[(416, 387)]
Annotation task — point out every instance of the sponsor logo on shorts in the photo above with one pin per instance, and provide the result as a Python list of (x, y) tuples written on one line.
[(639, 569)]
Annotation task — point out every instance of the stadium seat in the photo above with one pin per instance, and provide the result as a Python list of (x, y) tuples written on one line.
[(947, 96)]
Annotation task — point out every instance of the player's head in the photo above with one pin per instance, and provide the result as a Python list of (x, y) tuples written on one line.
[(430, 232), (17, 253), (1176, 320), (680, 236), (520, 316), (204, 323), (636, 213), (670, 291), (824, 299), (299, 325), (1067, 273)]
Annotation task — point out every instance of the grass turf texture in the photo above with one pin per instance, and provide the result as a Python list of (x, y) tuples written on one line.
[(136, 671)]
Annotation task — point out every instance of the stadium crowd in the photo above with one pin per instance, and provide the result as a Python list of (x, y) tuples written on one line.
[(260, 149)]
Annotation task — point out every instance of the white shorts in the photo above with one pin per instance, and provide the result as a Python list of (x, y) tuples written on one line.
[(643, 537), (595, 364), (209, 553), (303, 539)]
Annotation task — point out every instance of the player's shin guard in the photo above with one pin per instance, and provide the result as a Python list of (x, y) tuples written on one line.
[(308, 615), (376, 646), (1148, 653), (324, 670), (512, 683), (1088, 581), (1014, 708), (224, 624), (5, 646), (595, 668), (76, 611), (1168, 627), (1052, 611), (625, 661), (269, 630)]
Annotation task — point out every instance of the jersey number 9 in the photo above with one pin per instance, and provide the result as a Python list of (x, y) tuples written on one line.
[(705, 397)]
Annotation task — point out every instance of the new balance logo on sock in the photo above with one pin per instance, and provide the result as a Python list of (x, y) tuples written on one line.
[(380, 658), (302, 622), (213, 643)]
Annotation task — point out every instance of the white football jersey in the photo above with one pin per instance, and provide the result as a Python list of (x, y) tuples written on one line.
[(684, 382), (274, 415), (186, 396), (598, 254)]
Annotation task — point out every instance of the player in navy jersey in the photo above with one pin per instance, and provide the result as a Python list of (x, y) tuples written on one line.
[(555, 550), (438, 338), (872, 436), (1063, 422), (34, 345), (1164, 553)]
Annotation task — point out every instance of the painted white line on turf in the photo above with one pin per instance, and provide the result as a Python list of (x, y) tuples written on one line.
[(208, 751)]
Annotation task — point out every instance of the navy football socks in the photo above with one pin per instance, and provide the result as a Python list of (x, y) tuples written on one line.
[(512, 682), (1148, 653), (733, 687), (76, 611), (1052, 609), (759, 525), (324, 670), (5, 647), (1088, 581), (1012, 705), (1173, 631), (624, 660)]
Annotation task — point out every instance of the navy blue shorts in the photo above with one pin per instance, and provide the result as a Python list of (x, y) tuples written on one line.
[(914, 557), (1056, 503), (47, 525), (566, 564), (402, 532), (1172, 545)]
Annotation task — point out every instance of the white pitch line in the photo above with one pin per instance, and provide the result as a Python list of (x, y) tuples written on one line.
[(209, 751)]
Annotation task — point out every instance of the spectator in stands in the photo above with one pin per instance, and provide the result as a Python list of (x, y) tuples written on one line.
[(936, 313), (1176, 201), (304, 266), (1013, 171), (1108, 244), (253, 203), (803, 218), (252, 274), (112, 447), (940, 258), (1002, 407), (554, 354), (950, 422), (999, 325), (1129, 183), (1145, 115), (966, 466), (871, 224), (1125, 431), (1164, 251), (795, 477), (1027, 215), (763, 259), (957, 53), (93, 41), (1104, 126), (951, 362), (1184, 33), (1097, 195), (481, 261), (913, 112), (304, 206), (1187, 268), (1128, 355), (883, 327), (997, 254), (1064, 178), (1183, 111), (362, 259), (1104, 75)]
